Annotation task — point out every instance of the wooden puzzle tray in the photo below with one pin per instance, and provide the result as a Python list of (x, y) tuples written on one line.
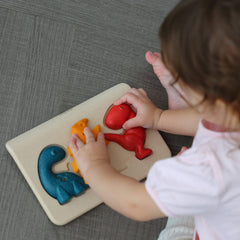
[(26, 148)]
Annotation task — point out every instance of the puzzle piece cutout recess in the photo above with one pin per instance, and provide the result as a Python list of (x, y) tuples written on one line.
[(61, 186), (132, 139), (78, 128)]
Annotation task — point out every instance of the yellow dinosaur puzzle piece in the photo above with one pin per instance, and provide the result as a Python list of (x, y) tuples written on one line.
[(78, 128)]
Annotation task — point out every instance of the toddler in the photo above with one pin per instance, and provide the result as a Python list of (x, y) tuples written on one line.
[(199, 64)]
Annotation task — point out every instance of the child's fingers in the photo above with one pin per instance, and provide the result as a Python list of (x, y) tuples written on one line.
[(131, 123), (88, 134), (143, 92), (130, 98), (101, 138), (72, 145), (138, 92), (78, 141), (126, 98), (120, 100), (75, 143)]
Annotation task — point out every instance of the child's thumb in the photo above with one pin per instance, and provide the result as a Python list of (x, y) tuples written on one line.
[(131, 123)]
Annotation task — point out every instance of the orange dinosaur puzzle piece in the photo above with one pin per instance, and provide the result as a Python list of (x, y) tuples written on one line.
[(78, 128)]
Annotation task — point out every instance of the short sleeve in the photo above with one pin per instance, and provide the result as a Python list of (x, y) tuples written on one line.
[(184, 186)]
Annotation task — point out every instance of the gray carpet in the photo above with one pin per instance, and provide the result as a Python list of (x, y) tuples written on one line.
[(54, 54)]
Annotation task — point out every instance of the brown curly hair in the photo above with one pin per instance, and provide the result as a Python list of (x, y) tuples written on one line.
[(200, 42)]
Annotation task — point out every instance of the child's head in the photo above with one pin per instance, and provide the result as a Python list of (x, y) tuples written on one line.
[(201, 46)]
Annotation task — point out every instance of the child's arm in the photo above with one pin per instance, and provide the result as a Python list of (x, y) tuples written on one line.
[(180, 121), (124, 194)]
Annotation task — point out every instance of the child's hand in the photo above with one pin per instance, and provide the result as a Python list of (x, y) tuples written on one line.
[(148, 114), (89, 155)]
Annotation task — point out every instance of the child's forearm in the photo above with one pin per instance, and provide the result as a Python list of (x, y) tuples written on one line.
[(122, 193), (180, 121)]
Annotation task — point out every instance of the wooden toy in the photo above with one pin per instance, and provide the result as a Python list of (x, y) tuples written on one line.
[(131, 139), (61, 186), (57, 132)]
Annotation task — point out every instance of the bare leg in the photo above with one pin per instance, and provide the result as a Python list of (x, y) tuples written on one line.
[(155, 59)]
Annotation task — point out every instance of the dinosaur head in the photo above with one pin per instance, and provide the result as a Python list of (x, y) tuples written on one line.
[(78, 128), (52, 154), (117, 115)]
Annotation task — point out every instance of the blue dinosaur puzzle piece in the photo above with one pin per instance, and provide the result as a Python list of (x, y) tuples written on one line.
[(61, 186)]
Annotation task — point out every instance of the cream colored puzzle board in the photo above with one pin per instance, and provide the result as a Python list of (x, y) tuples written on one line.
[(25, 150)]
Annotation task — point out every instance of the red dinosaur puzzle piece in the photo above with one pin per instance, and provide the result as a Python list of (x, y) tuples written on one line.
[(132, 139)]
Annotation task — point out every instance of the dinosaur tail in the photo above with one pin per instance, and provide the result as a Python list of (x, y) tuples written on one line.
[(142, 152), (114, 138)]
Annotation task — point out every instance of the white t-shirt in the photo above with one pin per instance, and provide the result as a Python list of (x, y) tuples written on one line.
[(203, 182)]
